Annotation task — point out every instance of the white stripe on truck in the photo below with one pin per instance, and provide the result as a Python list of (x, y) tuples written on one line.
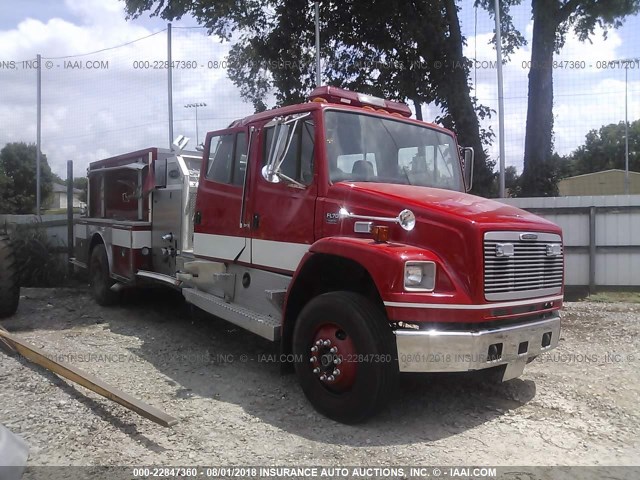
[(266, 253)]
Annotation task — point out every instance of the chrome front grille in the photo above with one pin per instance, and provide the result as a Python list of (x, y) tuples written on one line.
[(522, 265)]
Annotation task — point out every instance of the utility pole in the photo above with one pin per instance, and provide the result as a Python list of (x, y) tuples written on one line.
[(170, 86), (500, 98), (318, 74), (627, 188), (38, 132)]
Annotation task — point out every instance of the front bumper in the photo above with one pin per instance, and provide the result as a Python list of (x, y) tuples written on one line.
[(461, 351)]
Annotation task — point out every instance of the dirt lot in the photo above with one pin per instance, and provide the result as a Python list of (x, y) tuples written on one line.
[(577, 406)]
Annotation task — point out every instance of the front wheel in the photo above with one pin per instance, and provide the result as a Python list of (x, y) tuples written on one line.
[(346, 356), (100, 278)]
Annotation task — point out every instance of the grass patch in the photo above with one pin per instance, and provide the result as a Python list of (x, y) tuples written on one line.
[(614, 297), (36, 256)]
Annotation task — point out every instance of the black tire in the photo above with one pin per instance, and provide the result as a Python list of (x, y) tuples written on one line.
[(9, 281), (366, 328), (99, 277)]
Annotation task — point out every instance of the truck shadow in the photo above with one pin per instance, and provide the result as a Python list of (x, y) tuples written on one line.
[(214, 359), (203, 357)]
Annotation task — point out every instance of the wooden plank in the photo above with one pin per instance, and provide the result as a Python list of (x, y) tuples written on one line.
[(87, 380), (5, 345)]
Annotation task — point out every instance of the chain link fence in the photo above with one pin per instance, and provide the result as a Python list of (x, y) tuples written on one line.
[(590, 79), (115, 100)]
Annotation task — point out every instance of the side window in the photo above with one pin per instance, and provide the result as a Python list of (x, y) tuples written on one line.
[(220, 159), (227, 158), (299, 161)]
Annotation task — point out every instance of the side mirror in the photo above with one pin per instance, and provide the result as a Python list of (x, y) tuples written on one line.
[(282, 137), (160, 169), (284, 131), (467, 167)]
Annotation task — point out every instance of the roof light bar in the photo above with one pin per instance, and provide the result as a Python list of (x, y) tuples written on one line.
[(371, 100), (340, 95)]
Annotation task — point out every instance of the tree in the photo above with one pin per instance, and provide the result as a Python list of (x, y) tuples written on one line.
[(604, 149), (408, 51), (552, 19), (511, 179), (454, 92), (18, 166), (4, 185)]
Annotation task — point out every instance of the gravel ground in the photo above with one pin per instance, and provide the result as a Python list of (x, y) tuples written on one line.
[(576, 406)]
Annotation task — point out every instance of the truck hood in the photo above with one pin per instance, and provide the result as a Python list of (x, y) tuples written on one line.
[(450, 224), (428, 202)]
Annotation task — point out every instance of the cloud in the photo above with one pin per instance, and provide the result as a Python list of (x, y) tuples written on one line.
[(597, 104), (585, 97), (96, 12), (90, 114), (120, 104)]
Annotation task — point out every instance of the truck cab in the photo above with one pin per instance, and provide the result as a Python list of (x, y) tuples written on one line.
[(342, 228)]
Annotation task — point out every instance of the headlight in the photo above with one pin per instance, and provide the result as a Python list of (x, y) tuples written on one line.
[(420, 276)]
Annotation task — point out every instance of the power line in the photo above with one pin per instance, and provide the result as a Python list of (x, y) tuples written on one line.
[(106, 49)]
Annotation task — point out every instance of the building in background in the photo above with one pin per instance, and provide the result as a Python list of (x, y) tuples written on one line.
[(607, 182), (58, 198)]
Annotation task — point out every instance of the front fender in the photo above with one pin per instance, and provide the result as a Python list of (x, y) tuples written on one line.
[(383, 261)]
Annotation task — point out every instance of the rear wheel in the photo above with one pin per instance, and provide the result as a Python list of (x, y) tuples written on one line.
[(9, 282), (100, 279), (346, 359)]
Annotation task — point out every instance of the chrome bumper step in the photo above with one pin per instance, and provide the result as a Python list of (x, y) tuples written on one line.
[(461, 351)]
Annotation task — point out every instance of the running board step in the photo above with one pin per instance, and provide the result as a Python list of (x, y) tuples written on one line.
[(263, 325), (160, 277)]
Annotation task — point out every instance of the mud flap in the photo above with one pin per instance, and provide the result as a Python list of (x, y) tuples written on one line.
[(514, 369)]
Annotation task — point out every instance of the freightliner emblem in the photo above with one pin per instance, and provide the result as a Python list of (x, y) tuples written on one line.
[(528, 236), (332, 217)]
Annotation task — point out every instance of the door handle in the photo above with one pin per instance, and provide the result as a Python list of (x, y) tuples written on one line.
[(255, 223)]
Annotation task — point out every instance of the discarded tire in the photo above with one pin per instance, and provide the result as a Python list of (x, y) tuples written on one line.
[(9, 283)]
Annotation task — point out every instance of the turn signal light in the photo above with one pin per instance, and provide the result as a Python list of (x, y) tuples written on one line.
[(380, 233)]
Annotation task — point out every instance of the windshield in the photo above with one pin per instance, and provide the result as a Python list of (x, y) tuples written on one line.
[(365, 148)]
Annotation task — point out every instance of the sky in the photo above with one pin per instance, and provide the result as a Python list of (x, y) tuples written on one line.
[(102, 96)]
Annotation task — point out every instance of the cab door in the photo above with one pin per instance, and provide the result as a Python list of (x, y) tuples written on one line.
[(282, 208), (217, 231)]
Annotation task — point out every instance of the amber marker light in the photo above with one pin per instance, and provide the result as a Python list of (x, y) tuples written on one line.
[(380, 233)]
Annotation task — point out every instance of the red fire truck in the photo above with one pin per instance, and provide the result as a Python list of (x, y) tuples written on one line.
[(341, 228)]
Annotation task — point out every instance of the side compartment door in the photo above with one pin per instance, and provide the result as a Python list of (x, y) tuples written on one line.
[(283, 207), (217, 232)]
